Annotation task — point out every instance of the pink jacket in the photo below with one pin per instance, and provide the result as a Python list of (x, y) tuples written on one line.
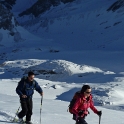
[(83, 104)]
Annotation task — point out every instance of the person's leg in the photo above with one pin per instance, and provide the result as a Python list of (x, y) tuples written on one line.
[(24, 109), (29, 112), (81, 120)]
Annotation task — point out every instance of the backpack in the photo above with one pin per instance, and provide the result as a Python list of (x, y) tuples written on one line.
[(72, 102), (23, 79)]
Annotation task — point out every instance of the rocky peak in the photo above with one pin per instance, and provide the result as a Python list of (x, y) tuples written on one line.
[(42, 6), (116, 5), (7, 3), (7, 21)]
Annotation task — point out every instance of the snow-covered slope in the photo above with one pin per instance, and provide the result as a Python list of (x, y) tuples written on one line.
[(72, 44), (52, 70), (56, 99), (81, 24)]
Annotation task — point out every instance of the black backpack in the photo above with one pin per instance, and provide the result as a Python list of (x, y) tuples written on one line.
[(72, 102)]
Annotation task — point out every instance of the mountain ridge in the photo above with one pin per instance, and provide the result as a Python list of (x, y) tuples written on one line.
[(73, 21)]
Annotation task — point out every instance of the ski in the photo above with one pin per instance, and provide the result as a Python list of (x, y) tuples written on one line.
[(7, 121), (15, 121)]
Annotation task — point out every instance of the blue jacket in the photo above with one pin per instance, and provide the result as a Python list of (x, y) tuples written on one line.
[(27, 88)]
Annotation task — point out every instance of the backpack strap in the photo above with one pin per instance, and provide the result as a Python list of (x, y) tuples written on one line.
[(24, 80), (34, 83)]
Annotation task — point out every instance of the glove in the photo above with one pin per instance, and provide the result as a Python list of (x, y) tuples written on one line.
[(80, 113), (41, 93), (24, 96), (99, 113), (76, 117)]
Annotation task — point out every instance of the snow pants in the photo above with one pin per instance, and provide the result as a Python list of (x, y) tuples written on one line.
[(27, 107), (81, 120)]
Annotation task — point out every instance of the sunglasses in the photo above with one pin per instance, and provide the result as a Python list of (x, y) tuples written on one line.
[(88, 92)]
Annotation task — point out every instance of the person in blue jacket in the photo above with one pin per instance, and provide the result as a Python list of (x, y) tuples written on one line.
[(25, 90)]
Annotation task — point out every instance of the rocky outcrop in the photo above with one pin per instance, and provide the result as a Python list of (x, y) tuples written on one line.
[(6, 16), (7, 3), (117, 5), (7, 21), (42, 6)]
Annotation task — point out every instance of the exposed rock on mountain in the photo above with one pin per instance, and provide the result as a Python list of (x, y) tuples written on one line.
[(42, 6), (7, 21), (8, 3), (117, 5)]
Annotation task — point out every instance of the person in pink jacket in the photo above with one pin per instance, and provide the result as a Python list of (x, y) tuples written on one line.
[(83, 102)]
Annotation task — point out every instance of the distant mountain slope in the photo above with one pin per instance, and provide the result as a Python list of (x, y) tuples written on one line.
[(71, 24), (79, 24)]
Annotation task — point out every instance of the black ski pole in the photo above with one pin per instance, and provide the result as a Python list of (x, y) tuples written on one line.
[(99, 119), (16, 114), (41, 107)]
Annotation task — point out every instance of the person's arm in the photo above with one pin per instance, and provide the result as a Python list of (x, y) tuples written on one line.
[(93, 107), (19, 88), (99, 113), (38, 88)]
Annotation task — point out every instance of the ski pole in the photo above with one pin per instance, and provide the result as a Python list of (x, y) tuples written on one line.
[(100, 116), (16, 113), (41, 107), (99, 119)]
